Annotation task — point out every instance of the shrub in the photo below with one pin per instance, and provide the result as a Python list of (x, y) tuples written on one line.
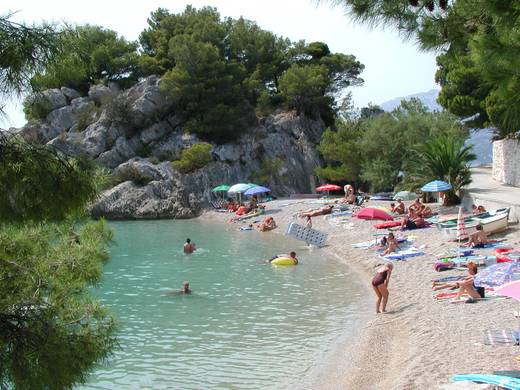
[(144, 151), (119, 111), (194, 157), (36, 108)]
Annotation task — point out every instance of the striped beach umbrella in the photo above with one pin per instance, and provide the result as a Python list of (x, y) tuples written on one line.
[(436, 186), (461, 226)]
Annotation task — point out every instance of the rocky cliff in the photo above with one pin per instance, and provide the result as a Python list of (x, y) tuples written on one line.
[(136, 134)]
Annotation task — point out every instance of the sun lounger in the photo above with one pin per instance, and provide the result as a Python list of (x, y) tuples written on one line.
[(309, 235), (505, 382), (501, 337)]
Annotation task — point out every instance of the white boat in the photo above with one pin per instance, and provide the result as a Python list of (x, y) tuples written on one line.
[(491, 224)]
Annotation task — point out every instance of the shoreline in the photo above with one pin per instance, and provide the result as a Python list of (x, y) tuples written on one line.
[(408, 347)]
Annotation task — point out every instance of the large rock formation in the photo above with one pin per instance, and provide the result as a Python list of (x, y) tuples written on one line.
[(136, 134)]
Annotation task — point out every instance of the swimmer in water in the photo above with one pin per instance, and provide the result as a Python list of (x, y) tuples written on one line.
[(189, 247)]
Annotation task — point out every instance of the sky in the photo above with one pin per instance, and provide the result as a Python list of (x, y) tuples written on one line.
[(393, 67)]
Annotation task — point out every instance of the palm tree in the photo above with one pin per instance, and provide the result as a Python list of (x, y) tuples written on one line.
[(441, 158)]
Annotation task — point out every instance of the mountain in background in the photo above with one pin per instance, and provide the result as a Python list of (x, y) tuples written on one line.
[(480, 139)]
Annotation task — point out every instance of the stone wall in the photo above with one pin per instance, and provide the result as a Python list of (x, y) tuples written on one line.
[(506, 162)]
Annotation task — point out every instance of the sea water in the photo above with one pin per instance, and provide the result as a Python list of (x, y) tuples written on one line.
[(247, 324)]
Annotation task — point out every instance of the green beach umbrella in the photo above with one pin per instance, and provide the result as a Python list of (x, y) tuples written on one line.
[(221, 188), (405, 195)]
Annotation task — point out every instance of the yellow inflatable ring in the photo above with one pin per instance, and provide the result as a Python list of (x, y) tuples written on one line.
[(283, 261)]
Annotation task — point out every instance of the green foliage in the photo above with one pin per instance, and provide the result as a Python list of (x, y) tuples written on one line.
[(374, 149), (52, 332), (38, 184), (119, 110), (304, 88), (479, 65), (25, 51), (36, 108), (91, 55), (341, 151), (440, 158), (219, 73), (269, 168), (195, 157)]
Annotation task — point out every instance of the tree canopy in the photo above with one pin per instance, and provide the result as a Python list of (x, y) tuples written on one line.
[(374, 149), (479, 52), (52, 331), (90, 55)]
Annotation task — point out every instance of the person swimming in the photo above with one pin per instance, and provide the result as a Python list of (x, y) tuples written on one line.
[(189, 247), (185, 290), (291, 255)]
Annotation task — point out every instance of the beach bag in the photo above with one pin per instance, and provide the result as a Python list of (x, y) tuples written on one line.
[(443, 266)]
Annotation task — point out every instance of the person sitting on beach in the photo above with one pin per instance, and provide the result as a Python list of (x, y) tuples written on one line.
[(398, 208), (253, 202), (313, 213), (412, 221), (425, 211), (478, 209), (189, 247), (467, 286), (478, 239), (232, 206), (391, 245), (472, 270), (267, 225), (380, 285), (416, 205)]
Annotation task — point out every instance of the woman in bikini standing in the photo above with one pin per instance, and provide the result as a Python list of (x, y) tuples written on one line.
[(380, 285)]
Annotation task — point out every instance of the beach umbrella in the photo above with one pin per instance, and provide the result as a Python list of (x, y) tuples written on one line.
[(257, 190), (498, 275), (328, 187), (239, 189), (461, 226), (221, 188), (436, 186), (405, 195), (511, 290), (373, 213)]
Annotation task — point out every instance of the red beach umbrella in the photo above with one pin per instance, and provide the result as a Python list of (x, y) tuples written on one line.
[(371, 213), (328, 187)]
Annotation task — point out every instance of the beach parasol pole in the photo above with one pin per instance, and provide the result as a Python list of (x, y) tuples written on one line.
[(461, 227)]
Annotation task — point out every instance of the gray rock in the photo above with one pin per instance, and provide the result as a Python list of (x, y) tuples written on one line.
[(61, 119), (145, 169), (38, 131), (148, 100), (50, 99), (99, 93), (228, 152), (95, 139), (171, 147), (80, 103), (155, 132), (70, 93)]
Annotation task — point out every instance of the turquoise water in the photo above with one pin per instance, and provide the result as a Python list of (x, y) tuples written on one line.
[(247, 325)]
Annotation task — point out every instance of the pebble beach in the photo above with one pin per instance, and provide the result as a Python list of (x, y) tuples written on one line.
[(421, 341)]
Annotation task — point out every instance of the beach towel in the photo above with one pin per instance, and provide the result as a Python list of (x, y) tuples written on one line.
[(339, 214), (387, 224), (309, 235), (506, 382), (501, 337), (404, 254), (448, 279)]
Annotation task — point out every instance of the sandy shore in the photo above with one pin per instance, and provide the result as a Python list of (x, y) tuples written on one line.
[(421, 342)]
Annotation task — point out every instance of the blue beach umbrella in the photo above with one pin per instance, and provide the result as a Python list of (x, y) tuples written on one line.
[(257, 190), (436, 186)]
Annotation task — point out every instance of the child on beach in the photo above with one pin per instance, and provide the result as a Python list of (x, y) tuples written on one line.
[(380, 285), (391, 244)]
